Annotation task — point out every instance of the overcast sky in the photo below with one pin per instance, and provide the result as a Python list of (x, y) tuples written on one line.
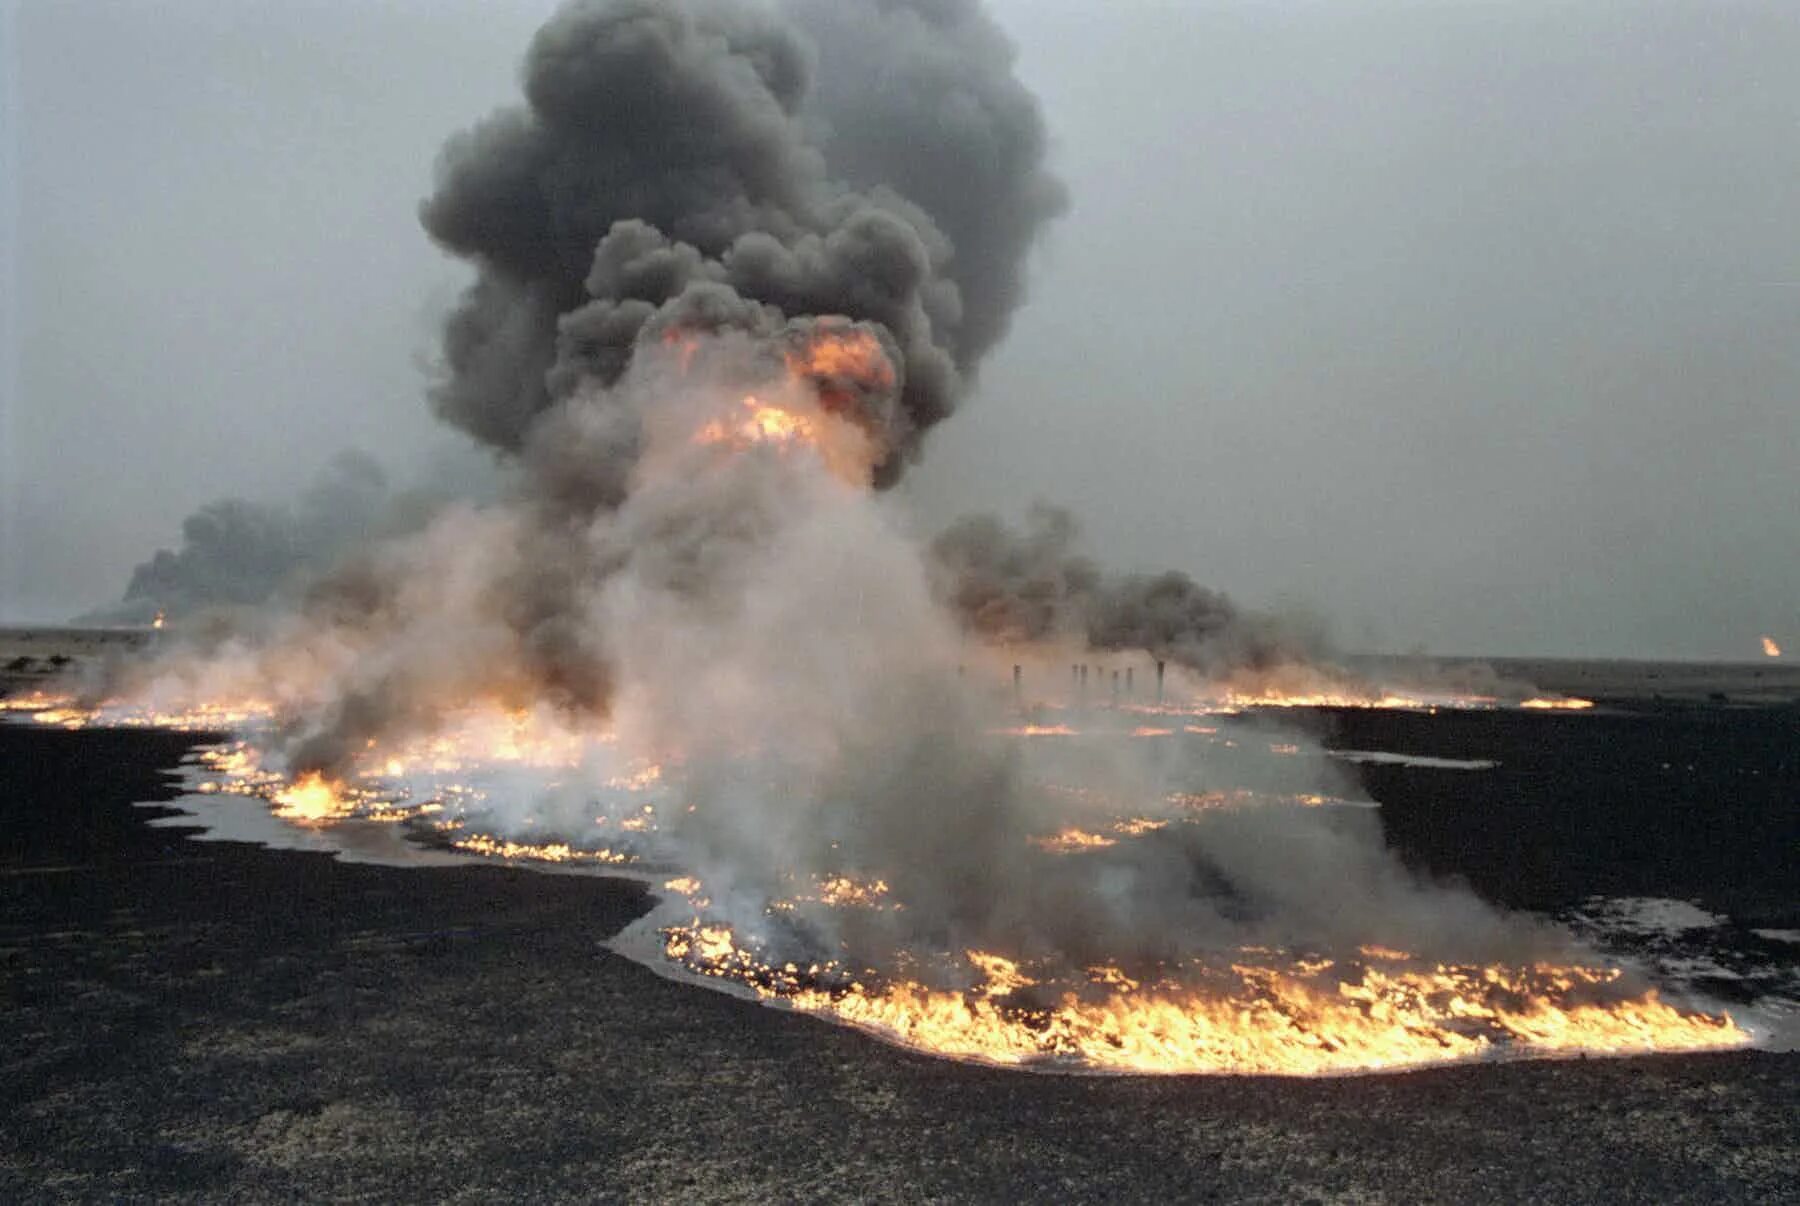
[(1470, 327)]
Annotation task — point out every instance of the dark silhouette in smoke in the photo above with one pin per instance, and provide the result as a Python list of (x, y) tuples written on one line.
[(673, 158), (1033, 585)]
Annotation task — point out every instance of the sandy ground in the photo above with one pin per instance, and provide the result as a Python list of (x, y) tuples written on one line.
[(222, 1022)]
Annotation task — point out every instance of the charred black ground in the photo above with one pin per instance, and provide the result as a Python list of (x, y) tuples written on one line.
[(223, 1021)]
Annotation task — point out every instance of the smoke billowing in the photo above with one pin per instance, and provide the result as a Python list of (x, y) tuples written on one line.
[(733, 263), (237, 553), (1033, 586), (675, 169)]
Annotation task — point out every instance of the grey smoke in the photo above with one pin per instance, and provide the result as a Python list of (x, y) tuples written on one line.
[(676, 159), (1033, 584), (678, 169), (235, 552)]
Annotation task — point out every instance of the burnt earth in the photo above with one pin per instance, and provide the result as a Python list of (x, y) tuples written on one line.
[(222, 1022), (1648, 799)]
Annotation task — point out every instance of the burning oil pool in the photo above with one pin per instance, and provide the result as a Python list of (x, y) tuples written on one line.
[(839, 945)]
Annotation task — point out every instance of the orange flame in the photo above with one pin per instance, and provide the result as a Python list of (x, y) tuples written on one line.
[(1770, 648), (310, 799), (836, 357), (1291, 1020)]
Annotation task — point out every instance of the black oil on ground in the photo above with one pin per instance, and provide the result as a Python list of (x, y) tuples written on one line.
[(222, 1022)]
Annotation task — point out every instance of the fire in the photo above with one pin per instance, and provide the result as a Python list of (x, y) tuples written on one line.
[(1073, 841), (845, 448), (761, 425), (309, 800), (835, 357), (1558, 705), (159, 621), (1039, 730), (1293, 1019), (552, 852), (1770, 648)]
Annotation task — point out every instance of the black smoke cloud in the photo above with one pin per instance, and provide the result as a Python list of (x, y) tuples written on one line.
[(235, 552), (713, 165), (1034, 585)]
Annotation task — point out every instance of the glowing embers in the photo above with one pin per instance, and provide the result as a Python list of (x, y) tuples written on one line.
[(1239, 701), (760, 424), (1253, 1011), (63, 711), (549, 852), (1072, 839)]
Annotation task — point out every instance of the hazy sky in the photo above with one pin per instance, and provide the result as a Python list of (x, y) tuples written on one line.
[(1471, 327)]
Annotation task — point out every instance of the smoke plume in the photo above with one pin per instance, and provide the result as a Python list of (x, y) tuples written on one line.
[(675, 170), (238, 553), (732, 263), (1033, 586)]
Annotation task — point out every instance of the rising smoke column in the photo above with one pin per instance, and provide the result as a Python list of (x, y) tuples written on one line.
[(673, 162), (666, 189)]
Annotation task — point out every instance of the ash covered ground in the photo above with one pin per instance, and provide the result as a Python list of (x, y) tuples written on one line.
[(220, 1020)]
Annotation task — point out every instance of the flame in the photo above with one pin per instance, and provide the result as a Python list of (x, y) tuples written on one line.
[(820, 405), (1770, 648), (309, 800), (1250, 1018), (1038, 730), (1557, 705), (761, 425), (1073, 841), (1239, 700), (844, 447), (159, 621), (836, 358), (685, 345), (551, 852)]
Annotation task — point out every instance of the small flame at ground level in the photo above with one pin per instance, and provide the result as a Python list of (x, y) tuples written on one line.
[(1770, 648), (309, 799)]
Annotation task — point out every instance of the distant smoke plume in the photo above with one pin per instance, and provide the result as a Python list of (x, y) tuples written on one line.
[(1033, 586), (240, 553)]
